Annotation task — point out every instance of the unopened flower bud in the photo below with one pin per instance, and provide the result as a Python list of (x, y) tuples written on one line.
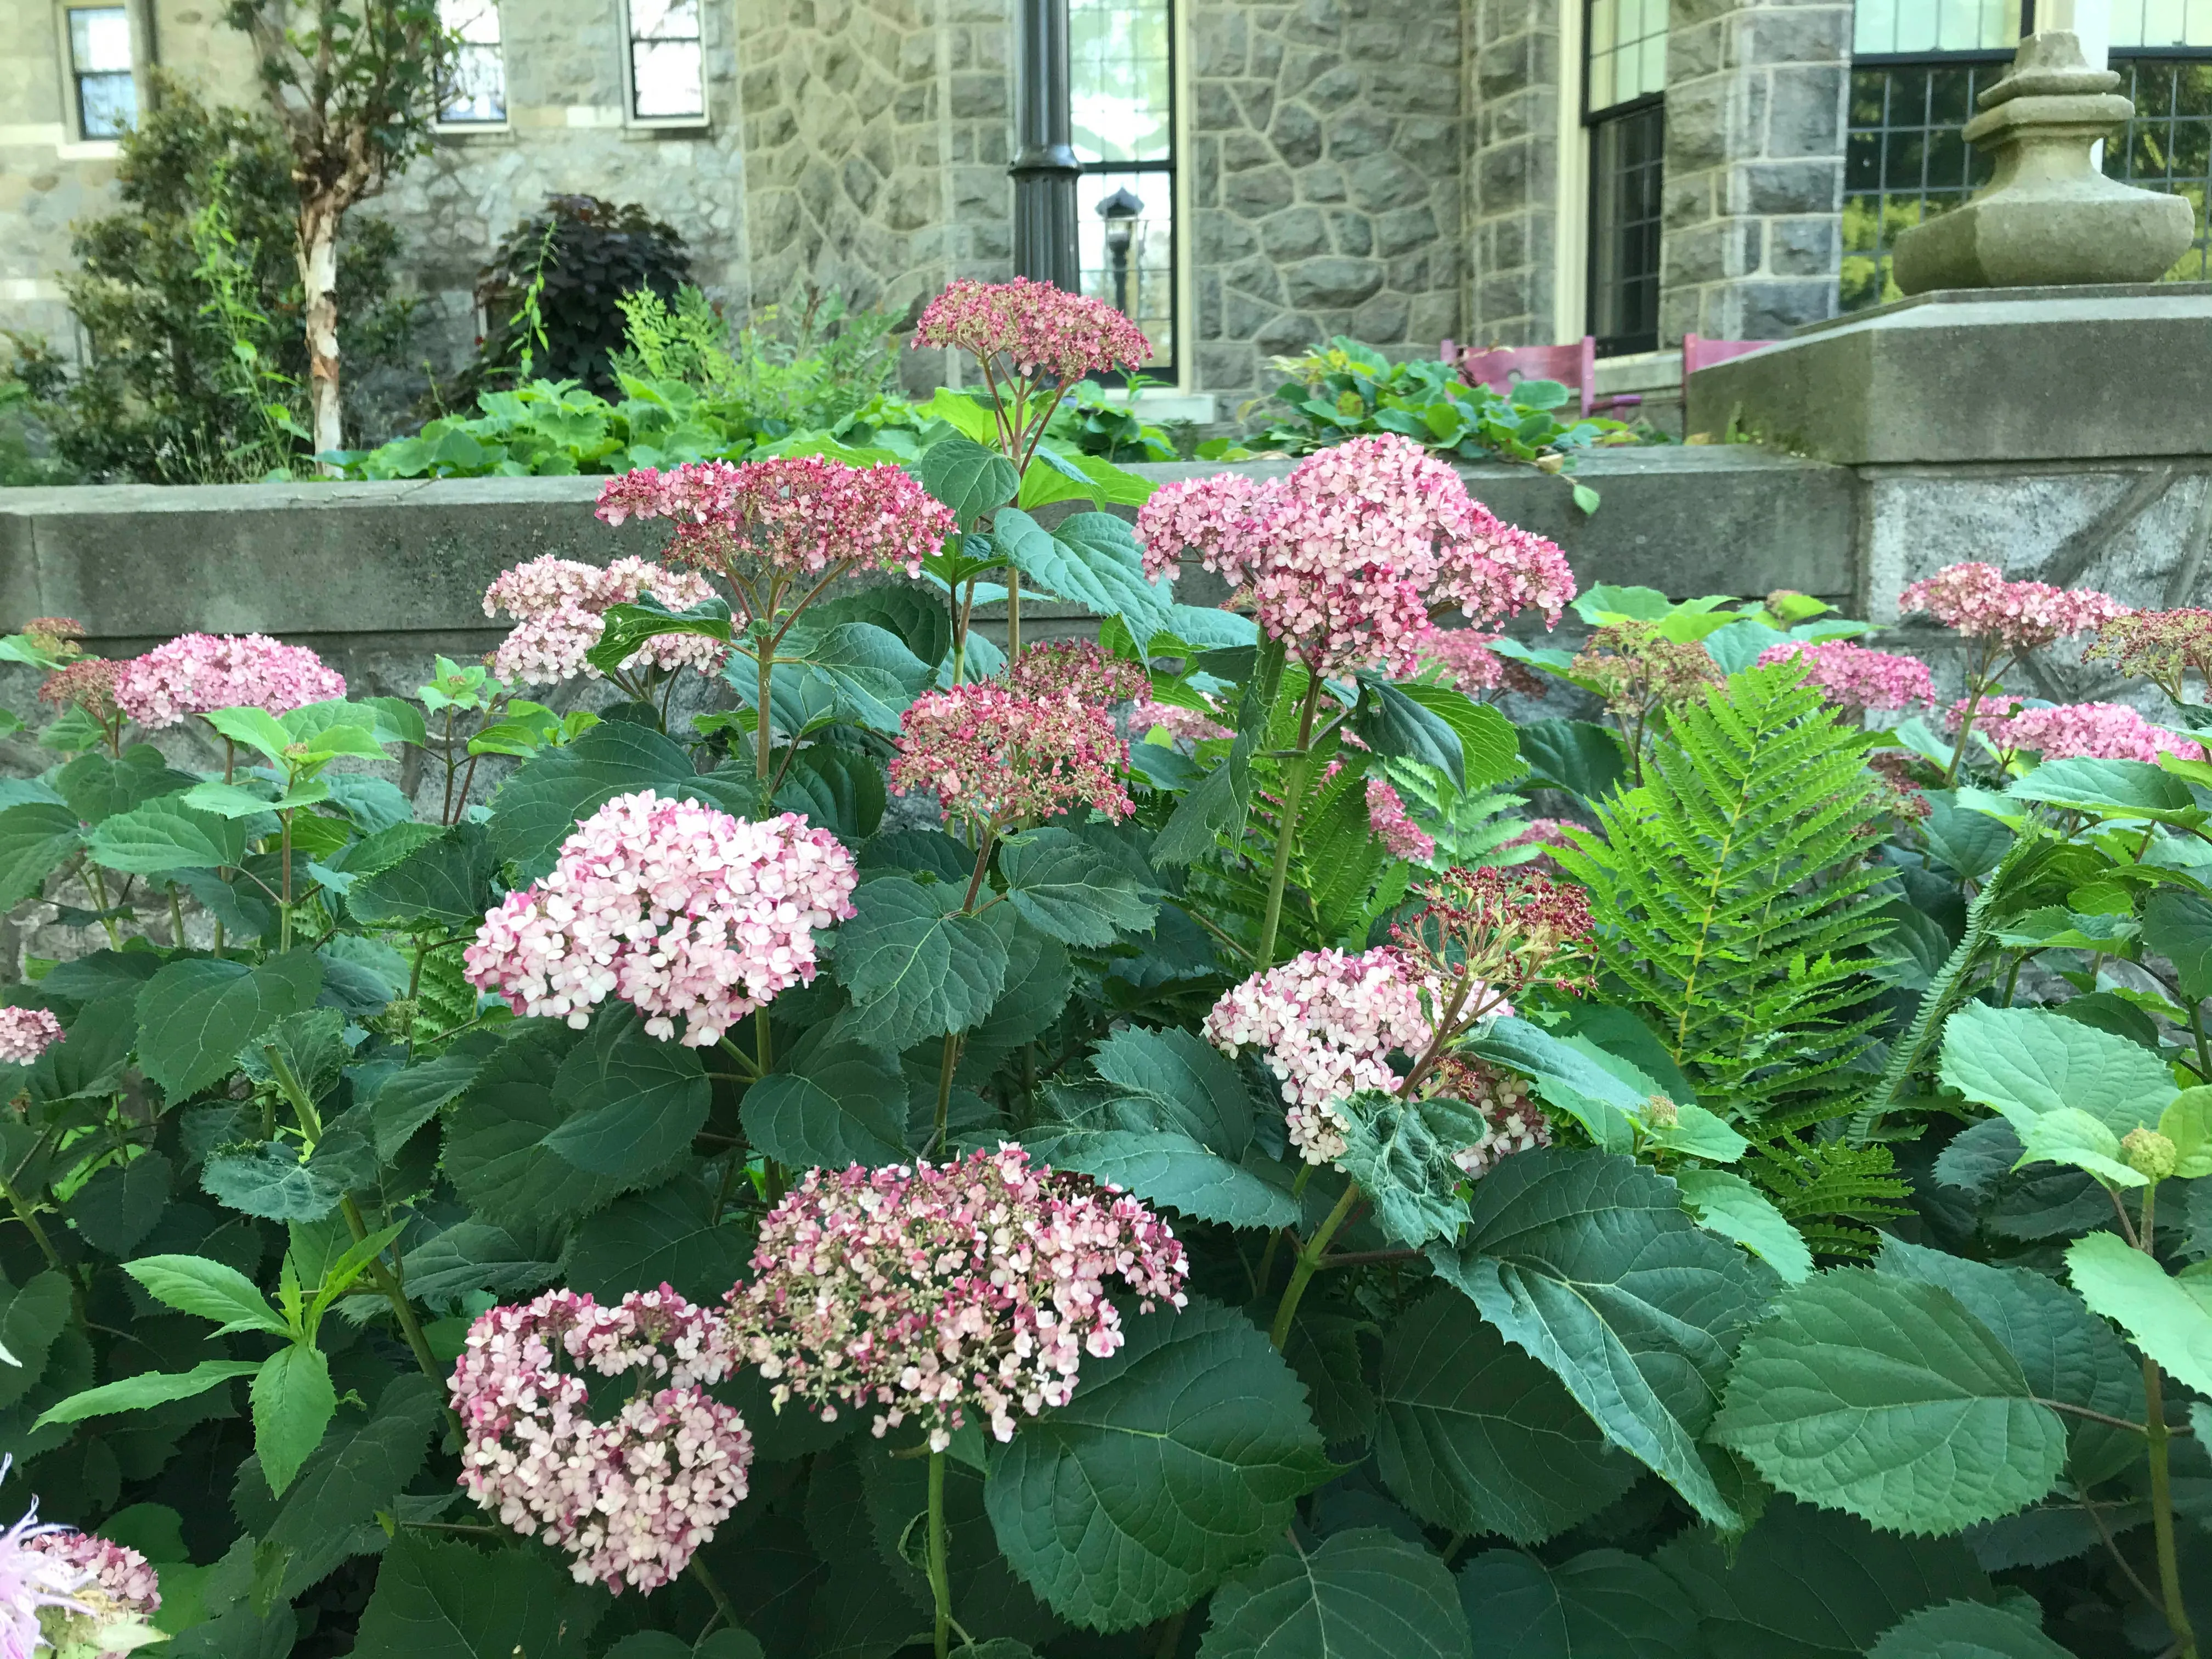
[(1661, 1113), (2150, 1154)]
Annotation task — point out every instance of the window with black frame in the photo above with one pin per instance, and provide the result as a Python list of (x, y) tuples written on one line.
[(1624, 104), (2162, 50), (476, 79), (1121, 105)]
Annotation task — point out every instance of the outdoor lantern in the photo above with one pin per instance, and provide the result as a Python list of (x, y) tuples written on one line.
[(1120, 211)]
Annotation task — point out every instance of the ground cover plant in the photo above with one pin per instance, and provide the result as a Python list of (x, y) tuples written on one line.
[(1151, 1147)]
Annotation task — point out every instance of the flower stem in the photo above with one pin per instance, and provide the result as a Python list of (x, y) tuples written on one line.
[(2162, 1512), (1308, 1260), (940, 1582), (764, 734), (945, 1070), (1296, 767), (722, 1607), (396, 1294)]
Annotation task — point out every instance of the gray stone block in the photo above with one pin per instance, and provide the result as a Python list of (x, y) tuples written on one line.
[(1999, 376)]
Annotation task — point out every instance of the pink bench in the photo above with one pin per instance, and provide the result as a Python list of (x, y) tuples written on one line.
[(1573, 366)]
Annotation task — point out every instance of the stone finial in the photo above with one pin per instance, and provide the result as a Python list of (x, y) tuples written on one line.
[(2048, 218)]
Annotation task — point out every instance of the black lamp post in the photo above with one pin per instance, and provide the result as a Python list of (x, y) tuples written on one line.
[(1044, 167), (1120, 211)]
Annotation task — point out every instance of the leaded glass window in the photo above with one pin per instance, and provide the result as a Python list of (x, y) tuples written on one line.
[(476, 83), (1623, 86), (667, 63), (100, 63)]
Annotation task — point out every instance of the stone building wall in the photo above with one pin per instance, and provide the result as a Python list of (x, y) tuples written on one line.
[(1514, 87), (1753, 236), (1325, 155)]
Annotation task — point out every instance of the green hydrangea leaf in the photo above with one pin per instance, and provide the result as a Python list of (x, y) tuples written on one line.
[(1365, 1594)]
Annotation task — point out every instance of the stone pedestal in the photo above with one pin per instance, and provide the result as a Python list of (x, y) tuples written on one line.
[(1981, 374), (2048, 215)]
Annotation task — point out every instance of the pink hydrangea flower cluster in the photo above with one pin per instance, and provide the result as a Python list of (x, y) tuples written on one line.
[(1326, 1024), (938, 1290), (118, 1591), (87, 684), (631, 1494), (991, 755), (1977, 600), (1181, 724), (1077, 668), (27, 1033), (1033, 325), (1512, 1121), (198, 673), (2091, 730), (1343, 559), (677, 909), (1466, 658), (1854, 678), (1400, 835), (1546, 833), (797, 516), (559, 606), (2163, 646)]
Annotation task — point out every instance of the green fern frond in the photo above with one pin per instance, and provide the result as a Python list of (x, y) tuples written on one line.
[(444, 997), (1733, 894), (1834, 1192)]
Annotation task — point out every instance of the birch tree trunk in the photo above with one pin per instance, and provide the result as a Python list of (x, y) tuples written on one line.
[(319, 280)]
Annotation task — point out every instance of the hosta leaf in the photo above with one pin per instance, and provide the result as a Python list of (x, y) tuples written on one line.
[(1886, 1397), (2027, 1062), (496, 1150), (1177, 1461), (664, 1234), (2158, 1311), (1965, 1630), (916, 967), (632, 1101), (444, 883), (844, 1104), (1071, 892), (194, 1015), (1586, 1261), (1808, 1583), (1473, 1435), (1604, 1604), (167, 834), (435, 1601), (1359, 1595), (1727, 1204)]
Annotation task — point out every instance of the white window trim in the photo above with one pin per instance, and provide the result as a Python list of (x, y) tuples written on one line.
[(697, 123), (1571, 212)]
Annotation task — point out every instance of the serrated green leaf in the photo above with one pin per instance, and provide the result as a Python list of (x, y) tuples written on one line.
[(631, 1101), (1725, 1203), (360, 1467), (1887, 1398), (194, 1015), (1091, 558), (118, 1207), (2109, 788), (435, 1601), (2177, 925), (1808, 1583), (209, 1289), (147, 1389), (1164, 1167), (2066, 1353), (1392, 723), (1473, 1435), (2072, 1137), (1586, 1261), (1178, 1461), (2026, 1061), (624, 628), (1583, 759), (412, 1097), (98, 788), (32, 1316), (256, 728), (1965, 1630), (294, 1402), (2154, 1309), (1187, 1074), (846, 1103), (539, 807), (36, 838), (665, 1234), (1603, 1604), (444, 883), (838, 788), (1490, 745), (1072, 892), (2187, 1122), (1365, 1594), (971, 480), (1400, 1151), (271, 1181), (495, 1151), (916, 967), (868, 674)]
